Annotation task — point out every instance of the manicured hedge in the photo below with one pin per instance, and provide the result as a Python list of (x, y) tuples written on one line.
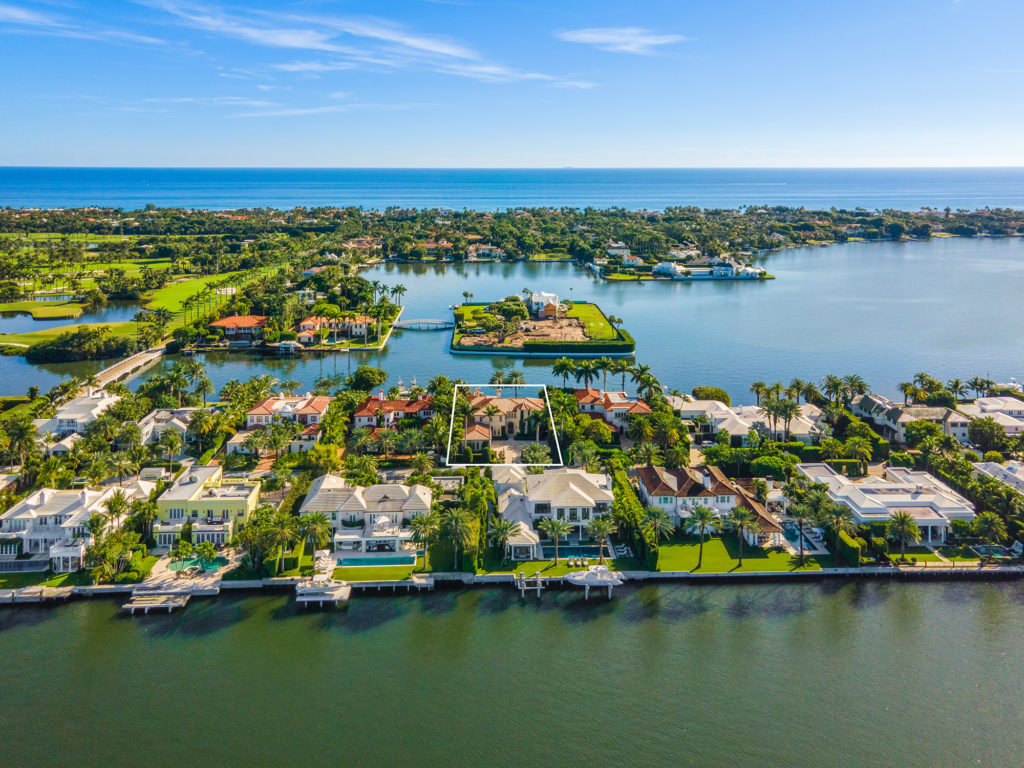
[(845, 466), (624, 344), (628, 513), (849, 549)]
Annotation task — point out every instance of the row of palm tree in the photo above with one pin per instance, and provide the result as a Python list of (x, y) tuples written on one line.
[(833, 389)]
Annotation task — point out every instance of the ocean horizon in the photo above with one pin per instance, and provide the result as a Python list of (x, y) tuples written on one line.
[(502, 188)]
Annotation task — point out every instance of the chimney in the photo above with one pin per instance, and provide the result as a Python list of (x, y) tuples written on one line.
[(705, 478), (380, 395)]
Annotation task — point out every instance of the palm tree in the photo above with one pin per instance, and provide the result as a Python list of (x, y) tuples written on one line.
[(457, 526), (490, 412), (838, 517), (832, 386), (602, 364), (620, 367), (859, 449), (601, 528), (123, 465), (501, 533), (117, 507), (421, 463), (990, 527), (802, 515), (903, 527), (660, 523), (170, 441), (638, 373), (645, 453), (281, 532), (516, 379), (424, 532), (702, 519), (831, 448), (854, 384), (584, 453), (742, 521), (555, 528), (907, 389), (315, 528), (958, 388), (586, 370), (758, 389), (565, 368), (978, 384)]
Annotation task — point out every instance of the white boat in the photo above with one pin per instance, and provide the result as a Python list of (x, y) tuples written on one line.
[(595, 576)]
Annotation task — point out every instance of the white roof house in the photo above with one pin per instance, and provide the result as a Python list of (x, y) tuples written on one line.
[(155, 423), (616, 248), (77, 414), (1008, 412), (367, 520), (1011, 473), (53, 522), (514, 506), (540, 299), (568, 494), (933, 504)]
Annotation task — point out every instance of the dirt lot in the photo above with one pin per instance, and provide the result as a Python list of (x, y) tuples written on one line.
[(563, 329)]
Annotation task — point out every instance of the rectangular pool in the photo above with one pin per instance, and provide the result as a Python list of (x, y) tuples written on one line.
[(571, 550), (391, 560)]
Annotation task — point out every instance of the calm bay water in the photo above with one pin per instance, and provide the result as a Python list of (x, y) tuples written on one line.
[(883, 310), (495, 189), (839, 674)]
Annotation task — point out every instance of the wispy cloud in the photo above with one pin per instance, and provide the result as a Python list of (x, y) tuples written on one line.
[(367, 42), (620, 39), (326, 109), (21, 19)]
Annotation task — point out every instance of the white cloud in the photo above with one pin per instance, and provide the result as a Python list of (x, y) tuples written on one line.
[(27, 20), (340, 95), (13, 15), (620, 39)]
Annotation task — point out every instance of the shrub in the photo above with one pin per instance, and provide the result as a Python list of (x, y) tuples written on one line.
[(629, 514), (879, 545), (711, 393), (769, 466), (901, 459), (994, 456), (849, 548)]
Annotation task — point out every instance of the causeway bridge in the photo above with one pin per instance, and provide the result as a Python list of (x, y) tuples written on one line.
[(425, 325), (129, 365)]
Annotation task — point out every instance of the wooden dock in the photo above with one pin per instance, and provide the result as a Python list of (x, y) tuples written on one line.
[(329, 595), (38, 594), (147, 601)]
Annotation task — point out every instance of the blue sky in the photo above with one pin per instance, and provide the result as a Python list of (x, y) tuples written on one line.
[(482, 83)]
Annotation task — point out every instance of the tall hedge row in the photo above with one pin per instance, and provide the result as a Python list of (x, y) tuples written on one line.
[(628, 514)]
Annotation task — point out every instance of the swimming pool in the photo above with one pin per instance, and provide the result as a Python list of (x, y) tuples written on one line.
[(573, 550), (188, 562), (991, 550), (382, 560), (793, 537)]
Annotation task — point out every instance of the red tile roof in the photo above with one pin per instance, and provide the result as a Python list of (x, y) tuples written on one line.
[(241, 321)]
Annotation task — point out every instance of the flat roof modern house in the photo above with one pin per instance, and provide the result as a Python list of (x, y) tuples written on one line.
[(933, 504), (200, 496), (1011, 473)]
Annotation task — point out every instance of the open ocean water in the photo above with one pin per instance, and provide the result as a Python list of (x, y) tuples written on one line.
[(498, 189)]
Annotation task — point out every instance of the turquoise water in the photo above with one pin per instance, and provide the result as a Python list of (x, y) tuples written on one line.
[(180, 565), (889, 674), (498, 188), (396, 560), (883, 310)]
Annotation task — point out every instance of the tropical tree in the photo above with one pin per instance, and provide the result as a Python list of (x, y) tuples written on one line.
[(702, 519), (281, 532), (803, 515), (659, 522), (425, 530), (743, 521), (902, 527), (565, 368), (456, 525), (647, 454), (990, 527), (601, 528), (181, 551), (501, 533), (859, 449), (758, 389), (555, 529), (315, 528), (206, 552), (170, 441), (837, 517), (421, 463)]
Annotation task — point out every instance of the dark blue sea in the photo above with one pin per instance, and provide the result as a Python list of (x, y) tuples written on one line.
[(498, 189)]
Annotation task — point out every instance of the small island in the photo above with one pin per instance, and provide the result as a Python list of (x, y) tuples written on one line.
[(541, 324)]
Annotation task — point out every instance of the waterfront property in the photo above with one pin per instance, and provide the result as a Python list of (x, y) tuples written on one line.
[(54, 523), (715, 416), (1007, 412), (377, 411), (873, 500), (892, 418), (313, 329), (77, 414), (680, 491), (214, 508), (240, 328), (513, 416), (613, 408), (367, 521), (567, 494)]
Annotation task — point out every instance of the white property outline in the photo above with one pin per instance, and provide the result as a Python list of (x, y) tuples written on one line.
[(551, 417)]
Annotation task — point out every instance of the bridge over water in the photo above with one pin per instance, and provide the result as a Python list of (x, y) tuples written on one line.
[(425, 325)]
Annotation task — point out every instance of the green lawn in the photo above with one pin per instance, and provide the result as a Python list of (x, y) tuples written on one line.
[(548, 568), (960, 554), (46, 579), (378, 572), (593, 319), (923, 554), (45, 310), (721, 556)]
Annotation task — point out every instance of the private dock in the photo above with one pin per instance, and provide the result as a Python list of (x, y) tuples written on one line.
[(146, 601), (38, 594)]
